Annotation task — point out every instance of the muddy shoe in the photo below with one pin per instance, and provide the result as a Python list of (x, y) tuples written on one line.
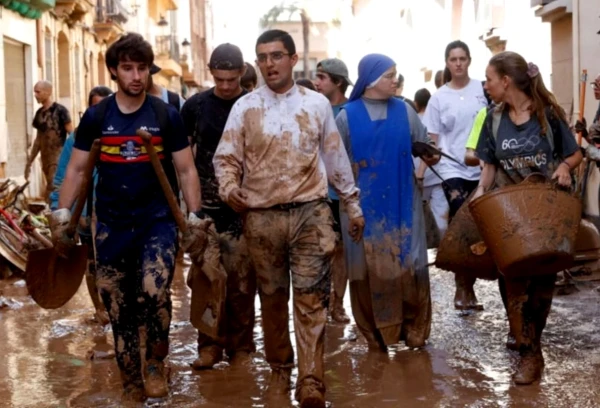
[(529, 368), (310, 396), (279, 383), (155, 381), (241, 358), (338, 314), (208, 357)]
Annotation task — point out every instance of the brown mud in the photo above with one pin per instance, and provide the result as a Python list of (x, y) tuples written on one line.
[(45, 359)]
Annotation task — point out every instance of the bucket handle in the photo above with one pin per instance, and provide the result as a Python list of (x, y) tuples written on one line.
[(540, 178)]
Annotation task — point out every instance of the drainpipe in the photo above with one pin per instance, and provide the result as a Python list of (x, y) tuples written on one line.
[(576, 61), (39, 39)]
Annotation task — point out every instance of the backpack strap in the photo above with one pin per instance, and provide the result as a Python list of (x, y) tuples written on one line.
[(197, 129), (496, 118), (162, 114)]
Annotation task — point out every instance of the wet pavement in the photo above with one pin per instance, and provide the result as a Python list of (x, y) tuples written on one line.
[(45, 358)]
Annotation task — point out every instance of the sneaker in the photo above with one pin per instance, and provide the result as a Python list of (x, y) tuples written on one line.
[(208, 357), (155, 381), (338, 314)]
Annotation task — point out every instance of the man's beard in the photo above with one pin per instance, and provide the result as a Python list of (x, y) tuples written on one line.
[(127, 92)]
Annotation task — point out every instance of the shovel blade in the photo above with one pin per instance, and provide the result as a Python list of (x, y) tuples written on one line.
[(208, 303), (51, 280)]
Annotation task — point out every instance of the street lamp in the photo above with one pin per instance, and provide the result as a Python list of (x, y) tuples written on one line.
[(163, 22)]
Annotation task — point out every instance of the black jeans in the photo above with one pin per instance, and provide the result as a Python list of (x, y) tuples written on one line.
[(457, 190)]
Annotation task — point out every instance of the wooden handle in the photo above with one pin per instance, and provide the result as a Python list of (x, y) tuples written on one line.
[(582, 89), (86, 184), (163, 180)]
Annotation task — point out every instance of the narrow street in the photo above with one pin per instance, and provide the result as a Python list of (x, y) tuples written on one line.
[(45, 359)]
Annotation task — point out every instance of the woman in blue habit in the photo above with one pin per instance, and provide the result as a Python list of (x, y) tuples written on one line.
[(389, 276)]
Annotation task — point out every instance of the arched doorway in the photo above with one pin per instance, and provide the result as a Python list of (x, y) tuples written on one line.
[(64, 71)]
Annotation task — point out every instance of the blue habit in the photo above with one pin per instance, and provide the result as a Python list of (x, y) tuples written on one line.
[(381, 151)]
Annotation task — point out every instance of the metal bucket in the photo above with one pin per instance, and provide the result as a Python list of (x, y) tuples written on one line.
[(455, 252), (530, 228)]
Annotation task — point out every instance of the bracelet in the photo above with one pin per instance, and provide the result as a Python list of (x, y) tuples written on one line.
[(566, 164)]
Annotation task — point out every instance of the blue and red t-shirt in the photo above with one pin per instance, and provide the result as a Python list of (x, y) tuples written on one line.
[(128, 192)]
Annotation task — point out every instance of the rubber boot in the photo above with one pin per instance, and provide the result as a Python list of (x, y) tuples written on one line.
[(155, 380)]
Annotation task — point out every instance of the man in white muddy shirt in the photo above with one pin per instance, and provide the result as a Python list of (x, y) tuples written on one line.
[(279, 149)]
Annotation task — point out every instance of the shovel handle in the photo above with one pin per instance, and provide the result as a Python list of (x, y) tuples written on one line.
[(162, 179), (86, 184)]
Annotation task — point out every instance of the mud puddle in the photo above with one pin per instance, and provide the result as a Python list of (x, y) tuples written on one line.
[(45, 359)]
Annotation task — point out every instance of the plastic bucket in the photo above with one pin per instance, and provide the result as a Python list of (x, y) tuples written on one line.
[(530, 229)]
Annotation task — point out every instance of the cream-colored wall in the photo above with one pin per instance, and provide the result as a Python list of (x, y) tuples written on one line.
[(562, 62)]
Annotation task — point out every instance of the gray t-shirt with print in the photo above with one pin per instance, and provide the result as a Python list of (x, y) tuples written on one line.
[(521, 150)]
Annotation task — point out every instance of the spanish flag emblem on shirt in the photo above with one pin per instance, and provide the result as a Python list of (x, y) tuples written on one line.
[(128, 149)]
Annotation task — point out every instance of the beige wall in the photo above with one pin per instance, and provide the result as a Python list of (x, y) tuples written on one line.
[(590, 49), (562, 61)]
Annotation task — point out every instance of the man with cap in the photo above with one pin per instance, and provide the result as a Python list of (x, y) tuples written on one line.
[(279, 150), (388, 272), (163, 93), (333, 81), (204, 116)]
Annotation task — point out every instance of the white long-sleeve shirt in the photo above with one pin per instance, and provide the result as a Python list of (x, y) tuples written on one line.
[(283, 148)]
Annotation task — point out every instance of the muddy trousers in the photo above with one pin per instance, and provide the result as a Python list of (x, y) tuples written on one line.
[(297, 244), (457, 191), (49, 171), (237, 330), (90, 273), (528, 303), (134, 275)]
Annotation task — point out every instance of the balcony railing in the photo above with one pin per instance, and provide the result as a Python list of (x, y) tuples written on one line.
[(111, 11), (167, 46)]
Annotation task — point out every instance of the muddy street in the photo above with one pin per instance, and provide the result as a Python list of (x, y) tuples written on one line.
[(62, 359)]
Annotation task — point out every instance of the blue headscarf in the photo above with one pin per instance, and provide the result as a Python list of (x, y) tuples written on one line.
[(370, 68)]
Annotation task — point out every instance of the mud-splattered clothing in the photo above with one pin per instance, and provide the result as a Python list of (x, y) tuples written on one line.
[(135, 267), (283, 148), (296, 245), (521, 150), (51, 135), (389, 277), (128, 191), (205, 116), (457, 190)]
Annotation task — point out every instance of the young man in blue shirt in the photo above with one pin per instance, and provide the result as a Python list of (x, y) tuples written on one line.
[(136, 239)]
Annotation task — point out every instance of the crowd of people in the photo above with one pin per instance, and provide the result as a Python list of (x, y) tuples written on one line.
[(304, 186)]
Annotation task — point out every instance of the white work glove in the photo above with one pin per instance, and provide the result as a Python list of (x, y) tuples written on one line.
[(59, 220)]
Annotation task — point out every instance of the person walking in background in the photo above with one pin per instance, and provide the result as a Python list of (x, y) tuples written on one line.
[(333, 81), (449, 118), (249, 79), (53, 124), (204, 116)]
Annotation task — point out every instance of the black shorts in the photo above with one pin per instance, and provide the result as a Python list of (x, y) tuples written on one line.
[(335, 209)]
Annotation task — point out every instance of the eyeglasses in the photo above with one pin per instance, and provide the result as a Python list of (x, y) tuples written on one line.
[(275, 56), (595, 85)]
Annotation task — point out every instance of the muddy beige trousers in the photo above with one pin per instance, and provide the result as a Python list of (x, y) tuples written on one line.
[(237, 329), (296, 241)]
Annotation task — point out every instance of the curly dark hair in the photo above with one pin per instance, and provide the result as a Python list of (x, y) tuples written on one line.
[(130, 47)]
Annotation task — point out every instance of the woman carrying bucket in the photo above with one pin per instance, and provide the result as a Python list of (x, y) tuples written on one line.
[(514, 145)]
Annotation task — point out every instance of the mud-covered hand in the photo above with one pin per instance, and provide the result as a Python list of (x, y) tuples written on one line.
[(562, 175), (356, 228), (59, 220), (194, 240), (237, 200)]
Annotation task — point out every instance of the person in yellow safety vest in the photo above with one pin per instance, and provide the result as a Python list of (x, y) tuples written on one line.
[(471, 158)]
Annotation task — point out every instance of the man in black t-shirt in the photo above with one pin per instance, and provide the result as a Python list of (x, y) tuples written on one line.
[(204, 116), (53, 124), (136, 234)]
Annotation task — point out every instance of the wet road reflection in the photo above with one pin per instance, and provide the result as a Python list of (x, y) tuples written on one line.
[(46, 359)]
